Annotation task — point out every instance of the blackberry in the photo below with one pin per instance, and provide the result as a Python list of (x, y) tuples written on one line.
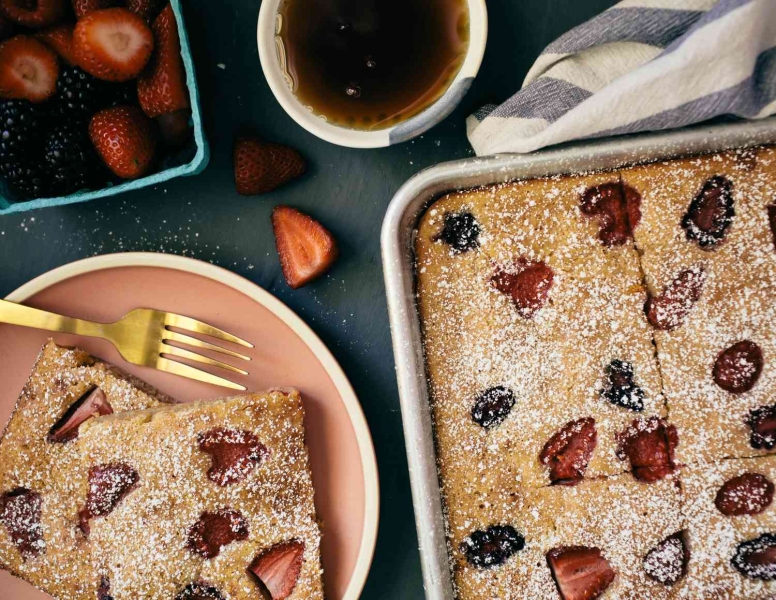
[(492, 547), (26, 178), (70, 157), (21, 124), (762, 422), (622, 389), (756, 558), (122, 94), (461, 231), (79, 94), (492, 406), (197, 590), (711, 213)]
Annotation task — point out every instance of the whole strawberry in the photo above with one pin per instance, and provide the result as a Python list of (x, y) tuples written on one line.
[(60, 39), (162, 86), (113, 44), (37, 14), (125, 140), (28, 69), (260, 167)]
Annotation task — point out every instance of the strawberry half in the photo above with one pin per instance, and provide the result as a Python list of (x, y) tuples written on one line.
[(84, 7), (28, 69), (125, 139), (93, 403), (580, 573), (33, 13), (306, 248), (60, 39), (568, 452), (278, 568), (260, 167), (162, 87), (113, 44)]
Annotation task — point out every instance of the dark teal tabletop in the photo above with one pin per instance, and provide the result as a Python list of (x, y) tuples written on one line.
[(347, 190)]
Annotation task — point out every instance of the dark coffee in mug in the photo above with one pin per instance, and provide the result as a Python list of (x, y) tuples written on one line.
[(370, 64)]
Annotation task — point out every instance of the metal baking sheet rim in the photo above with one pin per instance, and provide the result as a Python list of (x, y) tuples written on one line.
[(397, 242)]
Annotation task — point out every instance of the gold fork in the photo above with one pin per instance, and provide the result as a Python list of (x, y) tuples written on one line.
[(142, 337)]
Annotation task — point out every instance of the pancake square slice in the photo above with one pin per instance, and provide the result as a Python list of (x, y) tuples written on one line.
[(40, 478), (204, 500), (731, 523)]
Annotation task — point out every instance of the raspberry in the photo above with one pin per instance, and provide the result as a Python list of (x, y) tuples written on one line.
[(528, 283), (667, 562), (214, 530), (738, 368), (234, 453), (618, 209), (747, 494)]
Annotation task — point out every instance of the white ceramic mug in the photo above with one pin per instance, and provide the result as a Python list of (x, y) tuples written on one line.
[(353, 138)]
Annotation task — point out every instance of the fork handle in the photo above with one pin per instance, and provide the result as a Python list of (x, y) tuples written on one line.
[(16, 314)]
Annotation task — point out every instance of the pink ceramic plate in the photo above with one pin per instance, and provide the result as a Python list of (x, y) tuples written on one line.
[(287, 353)]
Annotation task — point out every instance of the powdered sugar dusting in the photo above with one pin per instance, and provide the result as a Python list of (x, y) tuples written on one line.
[(144, 545), (30, 461), (557, 363)]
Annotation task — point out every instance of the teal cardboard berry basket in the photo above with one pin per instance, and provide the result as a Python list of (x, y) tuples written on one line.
[(190, 160)]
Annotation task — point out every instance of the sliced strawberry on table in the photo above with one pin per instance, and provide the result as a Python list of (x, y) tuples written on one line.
[(113, 44), (580, 573), (260, 167), (306, 248), (162, 86), (147, 9), (278, 568), (84, 7), (34, 14), (125, 140), (60, 39), (28, 69)]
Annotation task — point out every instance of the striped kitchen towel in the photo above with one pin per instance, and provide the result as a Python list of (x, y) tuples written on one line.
[(642, 65)]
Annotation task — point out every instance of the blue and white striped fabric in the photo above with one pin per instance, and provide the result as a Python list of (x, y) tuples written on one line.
[(642, 65)]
